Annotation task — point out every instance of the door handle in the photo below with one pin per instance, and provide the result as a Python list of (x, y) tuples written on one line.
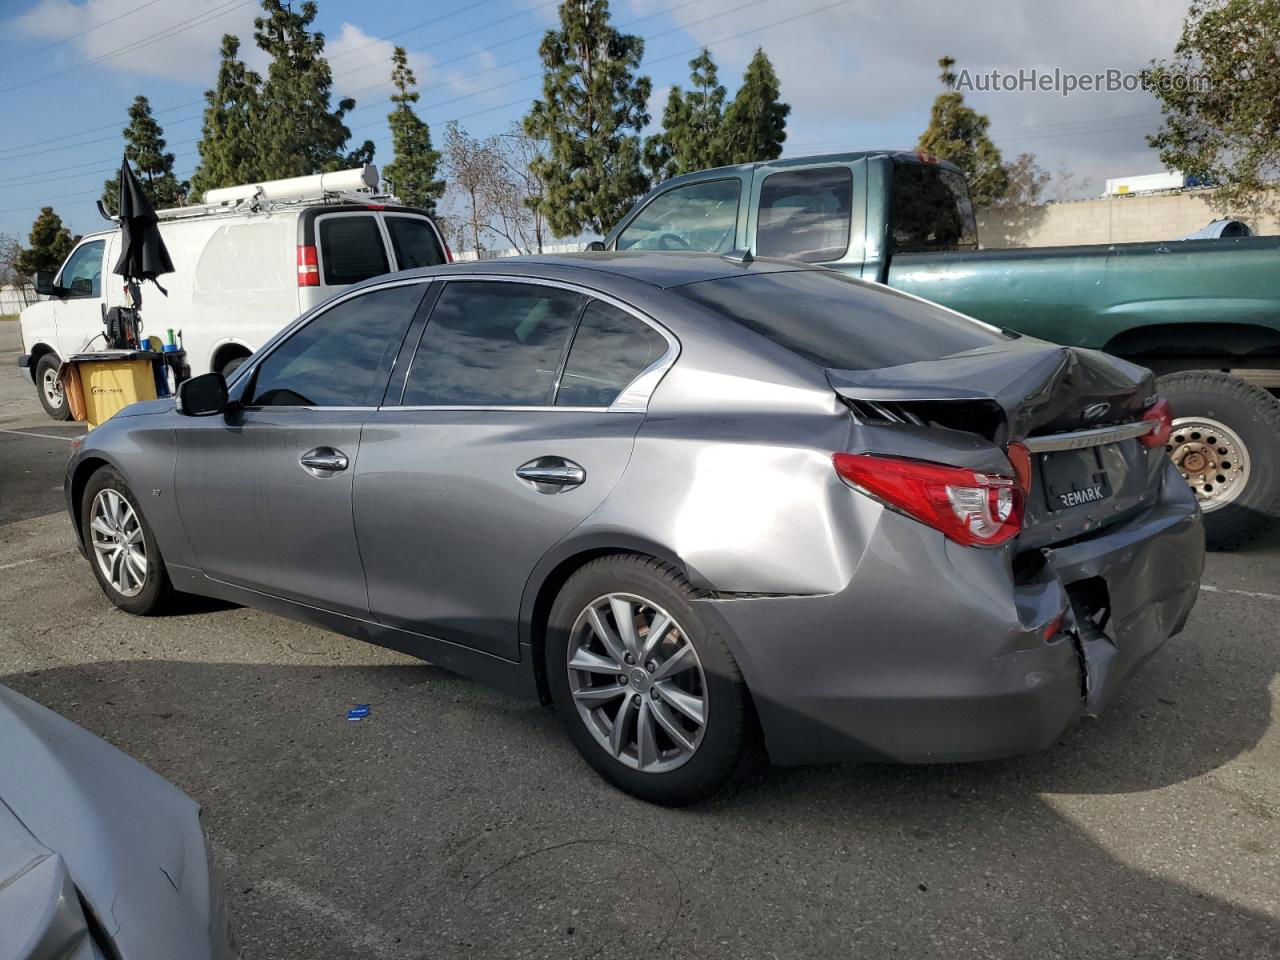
[(323, 461), (552, 474)]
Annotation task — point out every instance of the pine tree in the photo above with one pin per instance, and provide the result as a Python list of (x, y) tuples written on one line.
[(144, 149), (755, 123), (692, 136), (412, 174), (299, 134), (590, 114), (958, 133), (47, 247), (229, 141)]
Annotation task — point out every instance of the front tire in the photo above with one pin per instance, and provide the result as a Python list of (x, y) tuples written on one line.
[(122, 549), (648, 692), (49, 388), (1226, 444)]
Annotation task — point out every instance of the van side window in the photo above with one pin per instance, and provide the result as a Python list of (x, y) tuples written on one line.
[(413, 242), (700, 216), (805, 214), (351, 249), (930, 210), (82, 273)]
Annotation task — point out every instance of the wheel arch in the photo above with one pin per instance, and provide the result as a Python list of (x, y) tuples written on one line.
[(226, 351), (1179, 346), (85, 469), (39, 351)]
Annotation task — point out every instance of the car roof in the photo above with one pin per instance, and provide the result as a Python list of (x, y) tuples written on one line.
[(662, 270)]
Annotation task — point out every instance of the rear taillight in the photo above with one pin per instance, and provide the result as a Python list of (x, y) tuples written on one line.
[(975, 509), (1161, 414), (308, 266), (448, 254)]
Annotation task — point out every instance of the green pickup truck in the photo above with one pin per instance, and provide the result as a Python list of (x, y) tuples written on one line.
[(1202, 314)]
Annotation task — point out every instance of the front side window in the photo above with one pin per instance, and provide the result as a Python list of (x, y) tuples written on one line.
[(82, 273), (414, 242), (700, 216), (340, 358), (805, 214), (610, 349), (351, 248), (490, 343), (931, 210)]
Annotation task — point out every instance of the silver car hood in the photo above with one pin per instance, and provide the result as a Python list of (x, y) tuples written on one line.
[(78, 817)]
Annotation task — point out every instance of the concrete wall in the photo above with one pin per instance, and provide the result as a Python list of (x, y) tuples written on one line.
[(1130, 219)]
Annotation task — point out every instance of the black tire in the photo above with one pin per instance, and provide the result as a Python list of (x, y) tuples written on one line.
[(156, 591), (47, 366), (231, 366), (1254, 416), (721, 749)]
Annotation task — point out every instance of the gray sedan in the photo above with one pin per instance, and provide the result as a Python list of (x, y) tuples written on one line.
[(683, 498)]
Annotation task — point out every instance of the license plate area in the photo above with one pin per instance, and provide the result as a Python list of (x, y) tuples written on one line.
[(1074, 478)]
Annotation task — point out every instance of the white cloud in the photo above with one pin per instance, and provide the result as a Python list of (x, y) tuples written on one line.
[(184, 48)]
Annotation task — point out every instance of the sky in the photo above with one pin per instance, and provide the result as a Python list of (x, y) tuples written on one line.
[(858, 74)]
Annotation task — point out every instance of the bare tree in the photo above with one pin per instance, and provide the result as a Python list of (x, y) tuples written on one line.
[(525, 189), (1027, 182), (10, 248), (473, 166)]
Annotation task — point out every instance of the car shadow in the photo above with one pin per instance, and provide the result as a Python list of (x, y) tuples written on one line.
[(456, 821)]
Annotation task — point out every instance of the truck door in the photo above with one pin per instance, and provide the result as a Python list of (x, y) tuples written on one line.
[(810, 212), (77, 311)]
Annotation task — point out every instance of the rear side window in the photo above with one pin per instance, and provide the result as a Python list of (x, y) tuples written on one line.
[(805, 214), (342, 357), (492, 344), (414, 242), (930, 210), (840, 323), (610, 349), (700, 216), (351, 249)]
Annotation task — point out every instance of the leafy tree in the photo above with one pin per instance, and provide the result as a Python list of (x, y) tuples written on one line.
[(691, 137), (412, 174), (958, 133), (755, 122), (229, 141), (1220, 94), (47, 247), (144, 148), (1027, 182), (592, 108), (298, 133)]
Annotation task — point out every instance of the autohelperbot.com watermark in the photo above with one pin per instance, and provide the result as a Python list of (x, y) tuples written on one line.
[(1067, 82)]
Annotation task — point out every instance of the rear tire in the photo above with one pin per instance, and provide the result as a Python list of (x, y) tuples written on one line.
[(1239, 491), (231, 366), (113, 529), (49, 389), (675, 760)]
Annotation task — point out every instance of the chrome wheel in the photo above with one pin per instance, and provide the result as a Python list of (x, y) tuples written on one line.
[(52, 388), (637, 682), (1211, 458), (118, 544)]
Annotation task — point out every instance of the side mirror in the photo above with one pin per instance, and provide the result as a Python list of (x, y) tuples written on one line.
[(202, 396), (82, 287), (596, 246), (43, 282)]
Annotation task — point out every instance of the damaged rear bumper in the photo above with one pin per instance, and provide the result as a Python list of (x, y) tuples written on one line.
[(972, 668)]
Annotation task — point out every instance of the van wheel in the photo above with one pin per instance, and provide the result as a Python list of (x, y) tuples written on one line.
[(49, 388), (231, 366), (122, 549), (1226, 445), (648, 692)]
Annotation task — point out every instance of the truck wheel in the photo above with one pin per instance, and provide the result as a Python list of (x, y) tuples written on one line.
[(49, 389), (1226, 444)]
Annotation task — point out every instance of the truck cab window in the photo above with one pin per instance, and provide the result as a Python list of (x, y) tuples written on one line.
[(805, 214), (700, 216), (930, 210), (82, 273)]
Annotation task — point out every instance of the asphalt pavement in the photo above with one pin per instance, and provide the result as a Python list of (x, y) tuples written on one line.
[(457, 822)]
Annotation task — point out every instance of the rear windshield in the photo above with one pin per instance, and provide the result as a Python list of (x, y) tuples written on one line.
[(414, 242), (840, 323), (351, 249)]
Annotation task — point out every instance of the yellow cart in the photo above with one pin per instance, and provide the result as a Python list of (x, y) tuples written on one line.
[(99, 384)]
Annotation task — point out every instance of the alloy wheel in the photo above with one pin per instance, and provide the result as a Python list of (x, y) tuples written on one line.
[(637, 682), (1211, 458), (118, 544)]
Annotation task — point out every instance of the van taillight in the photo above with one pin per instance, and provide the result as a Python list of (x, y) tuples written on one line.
[(448, 254), (974, 509), (1161, 414), (308, 266)]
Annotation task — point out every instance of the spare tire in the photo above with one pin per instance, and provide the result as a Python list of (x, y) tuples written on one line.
[(1226, 444)]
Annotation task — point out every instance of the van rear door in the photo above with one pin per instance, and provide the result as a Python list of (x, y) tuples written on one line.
[(347, 246)]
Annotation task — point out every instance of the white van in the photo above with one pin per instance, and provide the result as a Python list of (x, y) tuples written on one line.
[(241, 272)]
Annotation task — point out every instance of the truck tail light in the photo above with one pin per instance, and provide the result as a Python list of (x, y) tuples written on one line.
[(974, 509), (308, 266), (1161, 414)]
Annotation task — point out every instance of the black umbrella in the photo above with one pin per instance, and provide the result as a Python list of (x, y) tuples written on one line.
[(143, 255)]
